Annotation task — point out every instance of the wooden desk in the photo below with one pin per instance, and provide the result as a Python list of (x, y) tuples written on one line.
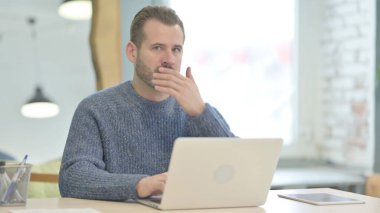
[(273, 204)]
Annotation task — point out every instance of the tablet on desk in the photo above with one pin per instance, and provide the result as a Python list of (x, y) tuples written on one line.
[(321, 198)]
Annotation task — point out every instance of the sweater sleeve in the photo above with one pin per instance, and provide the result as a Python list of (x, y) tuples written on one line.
[(209, 124), (83, 171)]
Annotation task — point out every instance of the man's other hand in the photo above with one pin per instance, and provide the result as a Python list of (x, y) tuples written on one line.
[(152, 185)]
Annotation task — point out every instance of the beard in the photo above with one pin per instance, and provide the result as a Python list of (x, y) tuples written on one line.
[(144, 72)]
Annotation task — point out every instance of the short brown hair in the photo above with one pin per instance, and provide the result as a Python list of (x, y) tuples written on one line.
[(163, 14)]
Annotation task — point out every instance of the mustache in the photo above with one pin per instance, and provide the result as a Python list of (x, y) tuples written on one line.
[(167, 65)]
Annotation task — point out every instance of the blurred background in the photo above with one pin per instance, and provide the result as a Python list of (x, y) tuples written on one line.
[(301, 70)]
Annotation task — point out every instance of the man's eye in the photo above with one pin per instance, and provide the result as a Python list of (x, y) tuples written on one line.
[(158, 48), (177, 50)]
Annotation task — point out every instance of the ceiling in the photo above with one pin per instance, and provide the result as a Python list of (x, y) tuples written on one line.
[(59, 59)]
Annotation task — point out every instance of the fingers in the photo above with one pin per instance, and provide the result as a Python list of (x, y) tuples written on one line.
[(152, 185), (158, 189), (161, 177), (169, 75), (169, 81), (171, 72), (189, 74), (182, 88), (172, 79)]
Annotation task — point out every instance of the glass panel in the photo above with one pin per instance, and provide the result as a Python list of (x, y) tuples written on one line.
[(241, 56)]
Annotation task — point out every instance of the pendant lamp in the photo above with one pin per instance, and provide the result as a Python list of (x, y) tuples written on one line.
[(76, 9), (38, 106)]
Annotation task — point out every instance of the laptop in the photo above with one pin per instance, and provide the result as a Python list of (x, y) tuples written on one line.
[(218, 173)]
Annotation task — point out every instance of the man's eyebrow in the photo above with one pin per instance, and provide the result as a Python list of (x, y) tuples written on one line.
[(178, 45), (161, 44), (157, 44)]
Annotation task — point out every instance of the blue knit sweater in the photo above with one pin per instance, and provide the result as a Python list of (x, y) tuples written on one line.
[(117, 137)]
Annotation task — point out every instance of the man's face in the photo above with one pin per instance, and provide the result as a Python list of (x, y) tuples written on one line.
[(161, 47)]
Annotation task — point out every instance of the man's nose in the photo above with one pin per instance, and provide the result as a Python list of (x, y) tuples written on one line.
[(168, 59)]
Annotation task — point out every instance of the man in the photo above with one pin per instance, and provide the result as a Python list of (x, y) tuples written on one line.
[(121, 138)]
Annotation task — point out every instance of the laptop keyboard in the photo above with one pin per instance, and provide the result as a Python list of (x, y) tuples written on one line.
[(155, 199)]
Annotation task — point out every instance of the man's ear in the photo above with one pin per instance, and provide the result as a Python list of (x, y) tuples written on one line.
[(131, 52)]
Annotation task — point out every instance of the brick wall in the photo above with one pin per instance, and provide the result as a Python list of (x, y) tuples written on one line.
[(347, 82)]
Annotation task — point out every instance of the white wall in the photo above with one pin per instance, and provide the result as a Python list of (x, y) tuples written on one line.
[(66, 75), (347, 82), (336, 80)]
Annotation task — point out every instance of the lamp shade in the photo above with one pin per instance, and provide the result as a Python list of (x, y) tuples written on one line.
[(39, 106), (76, 9)]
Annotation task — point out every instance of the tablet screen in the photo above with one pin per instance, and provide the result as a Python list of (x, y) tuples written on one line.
[(320, 198)]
